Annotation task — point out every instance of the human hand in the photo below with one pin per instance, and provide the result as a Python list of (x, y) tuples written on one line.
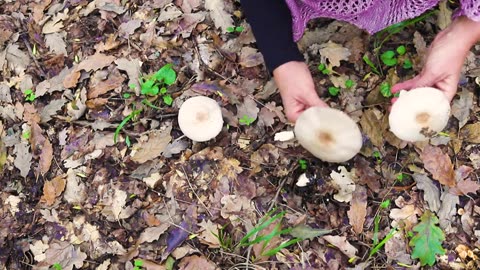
[(296, 88), (445, 58)]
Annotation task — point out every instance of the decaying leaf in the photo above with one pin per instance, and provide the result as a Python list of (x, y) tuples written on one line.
[(448, 210), (52, 189), (439, 165), (307, 232), (196, 263), (334, 53), (471, 133), (220, 17), (342, 244), (207, 235), (370, 122), (153, 146), (23, 158), (344, 183), (461, 107), (358, 209), (151, 234), (431, 192)]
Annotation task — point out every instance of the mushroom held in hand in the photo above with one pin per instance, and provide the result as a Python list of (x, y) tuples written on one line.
[(419, 114), (200, 118), (329, 134)]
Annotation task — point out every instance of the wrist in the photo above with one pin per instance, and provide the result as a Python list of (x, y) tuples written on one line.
[(467, 29)]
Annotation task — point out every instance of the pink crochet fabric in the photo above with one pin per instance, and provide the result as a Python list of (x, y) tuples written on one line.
[(371, 15)]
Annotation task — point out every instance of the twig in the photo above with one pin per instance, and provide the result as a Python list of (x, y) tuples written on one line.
[(194, 193)]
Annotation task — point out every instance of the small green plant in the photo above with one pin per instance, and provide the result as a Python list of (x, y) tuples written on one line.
[(233, 29), (157, 83), (57, 266), (384, 205), (400, 177), (246, 120), (332, 90), (388, 58), (29, 95), (26, 135), (377, 156), (137, 264), (224, 238), (303, 164), (129, 117), (323, 68), (386, 90), (349, 83), (371, 64)]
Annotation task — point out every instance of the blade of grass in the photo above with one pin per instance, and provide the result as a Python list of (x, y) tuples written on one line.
[(124, 122), (382, 243)]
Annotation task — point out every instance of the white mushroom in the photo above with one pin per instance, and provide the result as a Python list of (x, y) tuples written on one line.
[(200, 118), (329, 134), (419, 113)]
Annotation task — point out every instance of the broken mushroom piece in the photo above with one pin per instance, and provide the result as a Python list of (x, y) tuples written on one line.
[(419, 114), (200, 118), (329, 134)]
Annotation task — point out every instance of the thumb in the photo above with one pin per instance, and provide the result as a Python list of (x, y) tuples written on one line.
[(418, 81), (314, 101)]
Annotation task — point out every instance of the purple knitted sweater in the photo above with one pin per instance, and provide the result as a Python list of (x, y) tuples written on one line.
[(371, 15)]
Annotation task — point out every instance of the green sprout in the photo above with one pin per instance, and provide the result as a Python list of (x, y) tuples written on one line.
[(323, 68), (377, 156), (124, 122), (349, 83), (246, 120), (26, 135), (370, 64), (57, 266), (137, 264), (333, 91), (400, 177), (126, 95), (386, 90), (303, 164), (167, 99), (401, 50), (233, 29), (29, 95), (388, 58), (407, 64)]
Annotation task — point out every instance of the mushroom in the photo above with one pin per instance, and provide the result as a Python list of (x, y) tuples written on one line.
[(200, 118), (419, 113), (329, 134)]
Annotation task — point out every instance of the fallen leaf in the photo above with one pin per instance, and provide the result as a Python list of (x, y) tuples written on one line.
[(370, 124), (444, 15), (396, 248), (358, 209), (407, 215), (56, 43), (51, 109), (23, 158), (471, 133), (427, 242), (334, 53), (169, 13), (46, 157), (152, 233), (206, 236), (464, 187), (247, 109), (431, 192), (266, 117), (196, 263), (65, 254), (366, 174), (75, 190), (55, 24), (342, 244), (176, 147), (284, 136), (153, 147), (99, 87), (127, 29), (220, 17), (448, 210), (344, 183), (95, 62), (52, 189), (461, 107), (189, 22), (439, 165), (132, 67), (17, 59), (250, 57), (5, 95), (467, 219)]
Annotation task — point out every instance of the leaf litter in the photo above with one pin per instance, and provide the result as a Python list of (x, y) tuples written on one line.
[(75, 199)]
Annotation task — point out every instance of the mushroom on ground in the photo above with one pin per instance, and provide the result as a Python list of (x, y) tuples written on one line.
[(419, 113), (329, 134), (200, 118)]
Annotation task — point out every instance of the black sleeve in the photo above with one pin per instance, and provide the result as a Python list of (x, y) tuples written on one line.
[(271, 24)]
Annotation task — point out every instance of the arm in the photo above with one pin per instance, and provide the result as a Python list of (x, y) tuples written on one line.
[(271, 23)]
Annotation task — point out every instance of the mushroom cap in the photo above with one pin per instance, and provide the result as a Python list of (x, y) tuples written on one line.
[(419, 112), (329, 134), (200, 118)]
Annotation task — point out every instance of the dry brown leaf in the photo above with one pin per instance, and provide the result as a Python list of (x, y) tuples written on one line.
[(132, 67), (358, 209), (471, 133), (366, 174), (96, 62), (370, 125), (207, 236), (334, 53), (196, 263), (46, 157), (71, 79), (431, 192), (439, 165), (52, 189), (151, 234), (220, 17), (247, 109), (464, 187), (109, 44), (461, 107), (444, 15), (100, 87), (342, 244), (153, 147), (128, 28), (23, 158)]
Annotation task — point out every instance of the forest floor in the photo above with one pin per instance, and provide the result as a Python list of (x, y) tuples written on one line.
[(95, 172)]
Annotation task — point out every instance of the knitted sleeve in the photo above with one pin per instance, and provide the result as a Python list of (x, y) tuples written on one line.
[(469, 8), (271, 24)]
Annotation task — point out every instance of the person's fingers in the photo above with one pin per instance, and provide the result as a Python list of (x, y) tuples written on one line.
[(419, 81), (316, 101)]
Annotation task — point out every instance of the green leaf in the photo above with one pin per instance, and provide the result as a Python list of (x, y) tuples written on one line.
[(306, 232), (321, 67), (149, 88), (138, 263), (126, 95), (239, 29), (333, 90), (385, 204), (166, 74), (407, 64), (385, 90), (169, 263), (370, 64), (168, 99), (57, 266), (132, 86), (349, 83), (163, 90), (427, 242), (303, 164), (401, 50), (388, 58), (127, 141), (230, 29)]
